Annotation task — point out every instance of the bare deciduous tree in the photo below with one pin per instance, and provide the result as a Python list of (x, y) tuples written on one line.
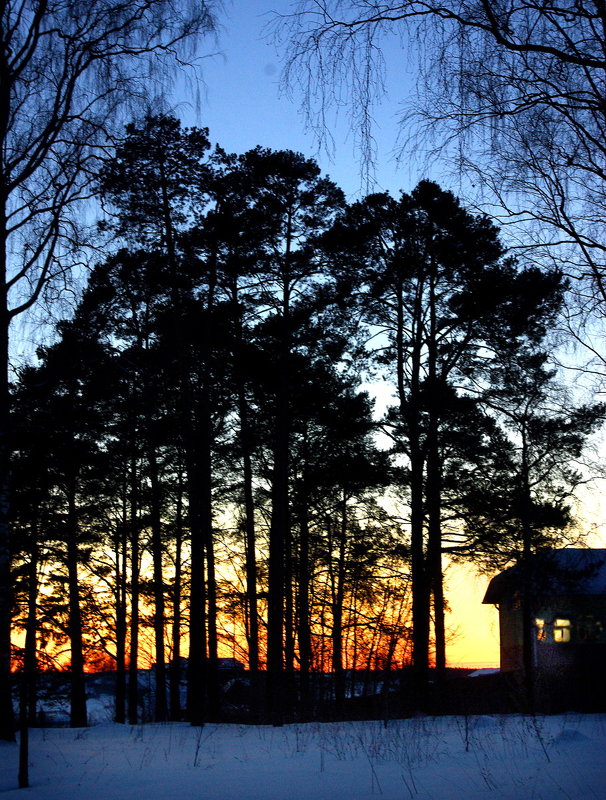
[(68, 68), (513, 92)]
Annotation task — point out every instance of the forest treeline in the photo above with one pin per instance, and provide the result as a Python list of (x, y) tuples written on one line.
[(198, 470)]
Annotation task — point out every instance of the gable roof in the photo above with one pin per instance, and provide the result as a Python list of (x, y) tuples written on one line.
[(571, 571)]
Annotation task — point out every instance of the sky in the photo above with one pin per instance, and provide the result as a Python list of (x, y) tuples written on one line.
[(243, 107)]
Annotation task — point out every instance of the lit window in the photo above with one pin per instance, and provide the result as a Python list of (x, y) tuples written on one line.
[(561, 630), (540, 626)]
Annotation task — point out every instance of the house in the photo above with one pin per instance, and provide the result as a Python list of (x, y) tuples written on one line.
[(568, 610)]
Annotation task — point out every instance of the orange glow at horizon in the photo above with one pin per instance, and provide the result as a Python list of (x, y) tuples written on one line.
[(472, 626)]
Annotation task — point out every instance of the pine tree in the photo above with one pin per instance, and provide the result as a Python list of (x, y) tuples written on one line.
[(435, 282)]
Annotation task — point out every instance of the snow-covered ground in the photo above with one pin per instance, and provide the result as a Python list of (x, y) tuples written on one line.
[(424, 758)]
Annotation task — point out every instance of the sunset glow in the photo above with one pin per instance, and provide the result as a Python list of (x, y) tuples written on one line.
[(474, 627)]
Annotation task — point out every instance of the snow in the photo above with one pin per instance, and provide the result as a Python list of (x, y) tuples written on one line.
[(505, 757), (484, 671)]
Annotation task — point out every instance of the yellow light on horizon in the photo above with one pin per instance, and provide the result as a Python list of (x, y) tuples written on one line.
[(473, 627)]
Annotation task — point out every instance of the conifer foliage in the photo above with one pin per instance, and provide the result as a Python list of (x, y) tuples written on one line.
[(198, 470)]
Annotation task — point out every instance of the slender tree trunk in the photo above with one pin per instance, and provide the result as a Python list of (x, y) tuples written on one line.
[(206, 491), (120, 549), (337, 610), (175, 664), (78, 718), (250, 539), (197, 662), (304, 604), (199, 498), (160, 705), (434, 486), (27, 696), (527, 581), (420, 588), (439, 604), (133, 658), (280, 516), (434, 559), (410, 404), (7, 730), (251, 559), (355, 643), (31, 631), (213, 686), (290, 691), (277, 555)]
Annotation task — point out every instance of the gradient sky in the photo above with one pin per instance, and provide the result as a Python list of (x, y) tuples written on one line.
[(243, 105)]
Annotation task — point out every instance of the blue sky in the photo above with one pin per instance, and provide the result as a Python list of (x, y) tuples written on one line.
[(243, 107)]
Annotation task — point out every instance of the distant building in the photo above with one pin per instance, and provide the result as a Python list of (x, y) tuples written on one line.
[(568, 596), (227, 667)]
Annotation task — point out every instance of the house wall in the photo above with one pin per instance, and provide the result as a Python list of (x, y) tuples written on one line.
[(581, 643), (569, 632), (511, 637)]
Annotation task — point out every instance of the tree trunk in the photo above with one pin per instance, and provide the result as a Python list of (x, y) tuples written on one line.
[(337, 610), (434, 548), (30, 665), (290, 691), (433, 491), (120, 551), (133, 658), (7, 729), (277, 555), (213, 686), (439, 609), (527, 580), (304, 628), (250, 539), (251, 562), (197, 662), (410, 410), (160, 704), (78, 718), (27, 696), (280, 517), (205, 489), (175, 664)]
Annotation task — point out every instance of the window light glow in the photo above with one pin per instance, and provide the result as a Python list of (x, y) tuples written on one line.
[(540, 626), (561, 630)]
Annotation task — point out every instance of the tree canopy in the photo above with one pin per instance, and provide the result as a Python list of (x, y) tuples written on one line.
[(509, 94), (213, 478)]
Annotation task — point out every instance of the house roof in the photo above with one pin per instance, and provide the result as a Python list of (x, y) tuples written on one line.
[(571, 571)]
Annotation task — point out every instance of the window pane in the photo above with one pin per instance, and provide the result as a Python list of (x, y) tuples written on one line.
[(540, 626), (561, 630)]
